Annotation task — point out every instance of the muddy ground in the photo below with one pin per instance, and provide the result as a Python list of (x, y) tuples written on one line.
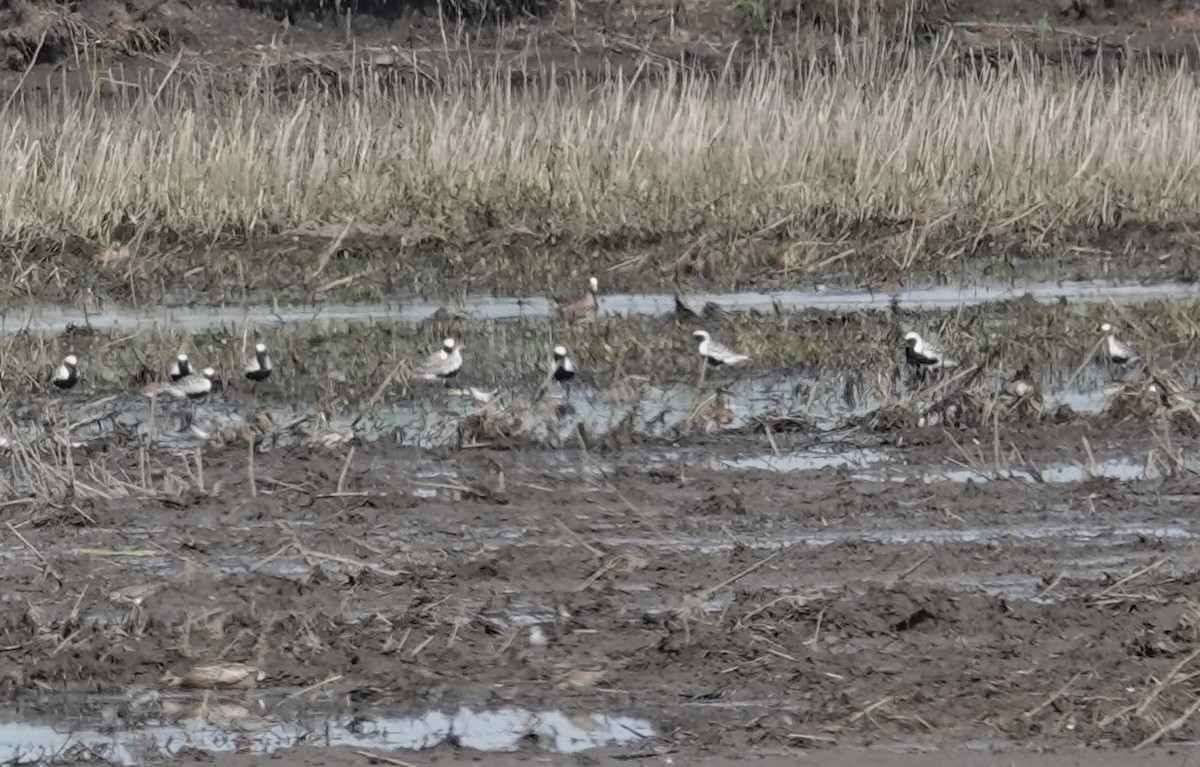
[(866, 616), (729, 609)]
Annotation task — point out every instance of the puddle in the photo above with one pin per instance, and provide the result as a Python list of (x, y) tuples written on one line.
[(807, 460), (223, 728), (1082, 534), (1117, 469), (56, 319), (875, 465), (1121, 469)]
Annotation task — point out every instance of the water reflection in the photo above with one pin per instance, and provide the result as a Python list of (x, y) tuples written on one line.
[(480, 307), (219, 728)]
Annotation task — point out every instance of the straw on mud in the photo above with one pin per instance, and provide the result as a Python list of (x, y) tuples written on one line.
[(396, 371), (307, 553), (250, 466), (1153, 693), (386, 759), (1091, 457), (1031, 713), (600, 573), (1088, 360), (341, 483), (709, 592), (913, 567), (813, 738), (312, 687), (1051, 586), (812, 640), (49, 568), (866, 711), (597, 553), (116, 552), (1133, 576), (1171, 726), (771, 437)]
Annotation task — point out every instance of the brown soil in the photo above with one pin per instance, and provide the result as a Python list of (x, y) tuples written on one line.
[(732, 609)]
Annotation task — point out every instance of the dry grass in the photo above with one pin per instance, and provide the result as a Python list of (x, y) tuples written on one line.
[(884, 133)]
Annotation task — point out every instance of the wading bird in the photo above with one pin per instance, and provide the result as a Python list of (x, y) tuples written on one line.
[(195, 386), (180, 368), (584, 307), (443, 363), (259, 368), (564, 366), (924, 355), (67, 374), (1116, 351), (716, 354)]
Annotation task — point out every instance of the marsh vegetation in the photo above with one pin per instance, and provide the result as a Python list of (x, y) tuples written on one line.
[(939, 154)]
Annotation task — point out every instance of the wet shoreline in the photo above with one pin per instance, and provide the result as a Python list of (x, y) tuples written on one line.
[(414, 310)]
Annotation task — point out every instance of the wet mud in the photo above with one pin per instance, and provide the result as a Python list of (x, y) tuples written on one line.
[(813, 554), (918, 594)]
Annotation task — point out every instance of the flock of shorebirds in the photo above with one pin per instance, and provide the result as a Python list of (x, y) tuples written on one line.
[(446, 361)]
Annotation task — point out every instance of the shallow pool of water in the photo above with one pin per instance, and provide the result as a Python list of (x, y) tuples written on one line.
[(176, 725), (415, 309)]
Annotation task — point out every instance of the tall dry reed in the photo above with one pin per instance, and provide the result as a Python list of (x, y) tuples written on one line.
[(878, 132)]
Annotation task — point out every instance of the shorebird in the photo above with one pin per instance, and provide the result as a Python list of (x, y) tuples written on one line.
[(1116, 351), (259, 368), (194, 386), (180, 368), (444, 363), (717, 354), (67, 374), (923, 354), (564, 366), (584, 307)]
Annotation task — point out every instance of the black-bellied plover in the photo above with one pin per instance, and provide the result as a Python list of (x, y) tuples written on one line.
[(1116, 351), (564, 366), (717, 354), (67, 374), (180, 367), (195, 386), (259, 368), (923, 354), (443, 363)]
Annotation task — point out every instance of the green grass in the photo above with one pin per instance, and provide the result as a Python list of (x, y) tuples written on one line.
[(882, 133)]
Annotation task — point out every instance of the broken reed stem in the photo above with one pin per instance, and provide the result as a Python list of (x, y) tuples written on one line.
[(1171, 726), (1133, 576), (33, 549), (200, 467), (341, 483), (1152, 694), (250, 467)]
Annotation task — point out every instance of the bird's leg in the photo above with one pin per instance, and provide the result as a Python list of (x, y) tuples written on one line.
[(703, 370)]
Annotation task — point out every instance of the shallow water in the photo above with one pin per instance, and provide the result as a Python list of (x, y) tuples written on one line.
[(415, 309), (659, 411), (222, 728), (1121, 469)]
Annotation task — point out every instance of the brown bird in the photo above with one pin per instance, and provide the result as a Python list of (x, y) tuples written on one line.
[(583, 308)]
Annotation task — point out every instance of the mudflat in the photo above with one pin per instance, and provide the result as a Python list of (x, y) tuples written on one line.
[(820, 556)]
